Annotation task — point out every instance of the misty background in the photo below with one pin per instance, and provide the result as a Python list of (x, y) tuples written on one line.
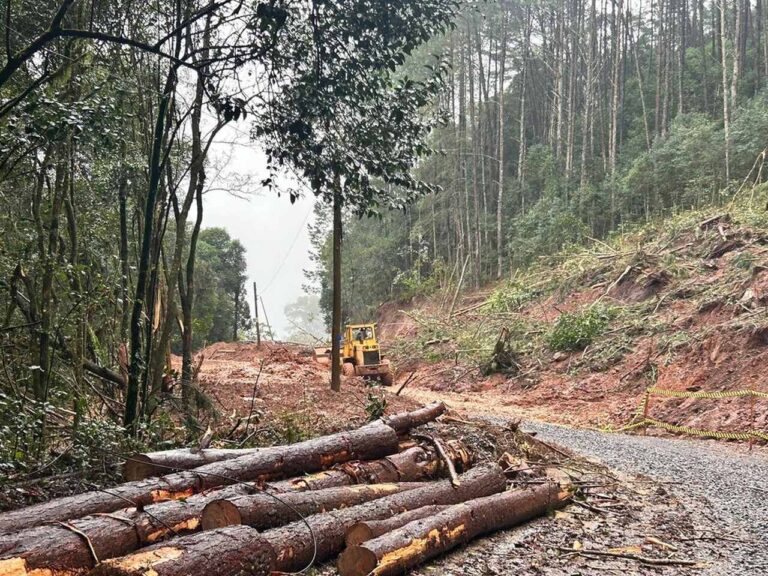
[(273, 231)]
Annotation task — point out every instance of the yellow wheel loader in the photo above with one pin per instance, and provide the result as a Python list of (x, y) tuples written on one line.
[(360, 354)]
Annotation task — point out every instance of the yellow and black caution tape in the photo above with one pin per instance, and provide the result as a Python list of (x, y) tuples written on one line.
[(640, 418), (713, 395), (706, 433)]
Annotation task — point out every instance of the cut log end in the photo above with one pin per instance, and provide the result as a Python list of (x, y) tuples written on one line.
[(220, 513), (138, 467), (357, 561), (358, 534)]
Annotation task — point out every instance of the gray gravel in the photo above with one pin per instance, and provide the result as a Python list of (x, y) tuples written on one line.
[(733, 481)]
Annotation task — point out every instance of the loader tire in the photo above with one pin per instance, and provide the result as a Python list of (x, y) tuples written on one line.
[(387, 379), (348, 369)]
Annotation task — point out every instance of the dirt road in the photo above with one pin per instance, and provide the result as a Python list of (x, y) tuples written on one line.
[(730, 481)]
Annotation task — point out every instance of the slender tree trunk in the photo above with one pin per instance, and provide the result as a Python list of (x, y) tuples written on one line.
[(523, 89), (587, 116), (759, 45), (336, 314), (135, 372), (618, 64), (726, 104), (639, 74), (124, 264), (500, 197), (737, 51), (683, 16)]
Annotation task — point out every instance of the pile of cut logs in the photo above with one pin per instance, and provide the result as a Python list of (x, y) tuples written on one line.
[(373, 496)]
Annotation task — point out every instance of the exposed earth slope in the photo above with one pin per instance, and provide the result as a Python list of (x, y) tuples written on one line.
[(679, 305)]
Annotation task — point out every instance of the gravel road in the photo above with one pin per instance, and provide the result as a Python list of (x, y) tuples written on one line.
[(733, 481)]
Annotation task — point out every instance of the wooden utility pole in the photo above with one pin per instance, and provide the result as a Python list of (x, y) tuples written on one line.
[(256, 314), (266, 319)]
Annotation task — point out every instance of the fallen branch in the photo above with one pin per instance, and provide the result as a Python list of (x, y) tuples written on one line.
[(636, 557), (443, 454), (404, 384)]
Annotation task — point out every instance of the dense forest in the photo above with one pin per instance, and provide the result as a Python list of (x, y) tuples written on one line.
[(108, 112), (565, 120)]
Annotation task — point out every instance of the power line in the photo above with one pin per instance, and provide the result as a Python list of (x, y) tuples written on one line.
[(290, 249)]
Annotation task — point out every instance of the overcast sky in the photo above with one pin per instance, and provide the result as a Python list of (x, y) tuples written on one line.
[(273, 231)]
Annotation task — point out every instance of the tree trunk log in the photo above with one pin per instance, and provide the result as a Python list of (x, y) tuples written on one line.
[(57, 547), (370, 529), (373, 441), (263, 511), (404, 421), (231, 551), (413, 465), (146, 465), (296, 548), (400, 550)]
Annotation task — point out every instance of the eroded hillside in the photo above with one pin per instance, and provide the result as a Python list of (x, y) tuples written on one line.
[(678, 305)]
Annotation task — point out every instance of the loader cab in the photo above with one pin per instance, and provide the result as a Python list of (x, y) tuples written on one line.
[(360, 345)]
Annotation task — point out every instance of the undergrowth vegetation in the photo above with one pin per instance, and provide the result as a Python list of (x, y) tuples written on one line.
[(576, 330)]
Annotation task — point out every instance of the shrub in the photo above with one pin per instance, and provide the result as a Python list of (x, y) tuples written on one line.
[(576, 330), (509, 297)]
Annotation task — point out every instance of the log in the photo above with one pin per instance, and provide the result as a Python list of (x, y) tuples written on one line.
[(371, 441), (232, 551), (398, 551), (404, 421), (369, 529), (296, 548), (412, 465), (145, 465), (265, 511), (54, 546)]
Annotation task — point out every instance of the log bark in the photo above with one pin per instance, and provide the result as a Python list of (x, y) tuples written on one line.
[(296, 547), (370, 529), (57, 547), (372, 441), (412, 465), (404, 421), (398, 551), (148, 464), (263, 511), (145, 465), (231, 551)]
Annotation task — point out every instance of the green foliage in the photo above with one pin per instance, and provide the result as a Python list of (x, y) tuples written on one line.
[(99, 447), (509, 297), (411, 284), (546, 228), (576, 330), (375, 406), (293, 427), (220, 279)]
